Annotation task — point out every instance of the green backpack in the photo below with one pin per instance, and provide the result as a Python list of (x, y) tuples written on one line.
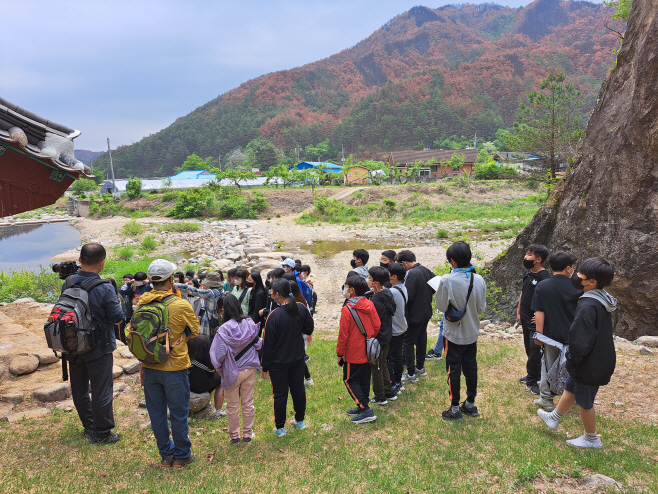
[(148, 333)]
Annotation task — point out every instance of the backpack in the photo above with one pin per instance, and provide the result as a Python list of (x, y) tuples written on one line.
[(373, 348), (213, 319), (148, 335)]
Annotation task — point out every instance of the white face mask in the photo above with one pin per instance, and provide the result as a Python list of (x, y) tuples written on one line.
[(346, 293), (139, 283), (237, 281)]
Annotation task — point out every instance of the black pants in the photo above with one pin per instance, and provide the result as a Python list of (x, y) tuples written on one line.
[(461, 359), (357, 381), (95, 412), (533, 351), (307, 374), (381, 380), (283, 380), (415, 346), (395, 361)]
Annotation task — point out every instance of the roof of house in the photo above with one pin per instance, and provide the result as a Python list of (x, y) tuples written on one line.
[(192, 175), (411, 156), (515, 156), (325, 165)]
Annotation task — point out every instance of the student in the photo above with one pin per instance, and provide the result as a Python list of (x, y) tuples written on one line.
[(234, 354), (359, 260), (179, 277), (305, 288), (288, 265), (351, 347), (258, 300), (125, 291), (386, 259), (384, 304), (283, 355), (535, 255), (460, 337), (241, 290), (554, 303), (204, 378), (419, 313), (139, 286), (209, 292), (304, 274), (190, 274), (591, 358), (228, 284), (395, 364), (271, 303)]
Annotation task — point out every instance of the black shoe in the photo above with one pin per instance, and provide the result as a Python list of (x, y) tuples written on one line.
[(111, 438), (470, 410), (450, 415), (166, 461), (235, 441), (181, 462), (432, 355), (353, 411), (86, 434), (523, 380)]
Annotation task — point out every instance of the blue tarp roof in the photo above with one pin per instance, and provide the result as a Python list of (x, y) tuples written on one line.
[(193, 175), (324, 165)]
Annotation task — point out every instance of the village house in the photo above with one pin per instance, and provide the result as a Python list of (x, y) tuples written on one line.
[(357, 175), (405, 159)]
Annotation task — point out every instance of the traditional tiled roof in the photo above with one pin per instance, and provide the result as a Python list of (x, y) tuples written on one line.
[(410, 156)]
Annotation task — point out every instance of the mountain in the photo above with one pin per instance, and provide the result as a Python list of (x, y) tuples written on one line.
[(424, 76), (86, 156)]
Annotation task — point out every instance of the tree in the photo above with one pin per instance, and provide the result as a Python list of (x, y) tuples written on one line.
[(192, 162), (377, 173), (317, 153), (234, 175), (238, 159), (83, 185), (99, 175), (134, 188), (279, 174), (548, 126)]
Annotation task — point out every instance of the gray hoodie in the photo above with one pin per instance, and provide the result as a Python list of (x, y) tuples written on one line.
[(362, 271), (607, 300), (453, 290)]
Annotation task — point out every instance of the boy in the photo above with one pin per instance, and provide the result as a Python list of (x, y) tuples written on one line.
[(465, 291), (395, 363), (535, 255), (351, 347), (304, 275), (359, 260), (591, 357), (554, 303)]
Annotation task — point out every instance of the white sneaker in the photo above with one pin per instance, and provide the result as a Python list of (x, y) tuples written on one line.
[(421, 372), (308, 382), (548, 419), (583, 442), (221, 414), (547, 405)]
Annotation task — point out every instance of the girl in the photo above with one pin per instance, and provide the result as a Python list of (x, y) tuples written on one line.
[(241, 290), (258, 299), (308, 339)]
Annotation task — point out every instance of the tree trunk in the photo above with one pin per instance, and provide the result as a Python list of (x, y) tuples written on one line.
[(608, 204)]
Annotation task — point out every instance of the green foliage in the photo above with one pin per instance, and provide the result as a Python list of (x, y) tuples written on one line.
[(180, 227), (192, 162), (43, 286), (149, 244), (125, 253), (223, 202), (493, 171), (527, 472), (442, 233), (170, 195), (82, 185), (132, 229), (99, 175), (109, 206), (622, 8), (134, 188), (234, 175)]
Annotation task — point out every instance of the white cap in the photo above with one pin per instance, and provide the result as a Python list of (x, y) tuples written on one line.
[(288, 262), (160, 270)]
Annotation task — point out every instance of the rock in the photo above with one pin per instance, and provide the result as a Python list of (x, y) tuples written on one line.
[(598, 480), (254, 249), (131, 367), (233, 257), (66, 406), (15, 397), (2, 370), (645, 351), (53, 392), (220, 264), (198, 401), (145, 425), (208, 413), (29, 414), (620, 339), (23, 365), (484, 323), (24, 301), (278, 256), (121, 388), (649, 341), (515, 330), (46, 356), (116, 371), (120, 344), (125, 353)]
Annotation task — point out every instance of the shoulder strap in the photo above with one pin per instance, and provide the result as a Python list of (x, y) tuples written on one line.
[(198, 364), (88, 285), (168, 299), (470, 289), (242, 295), (357, 320), (246, 349), (401, 293)]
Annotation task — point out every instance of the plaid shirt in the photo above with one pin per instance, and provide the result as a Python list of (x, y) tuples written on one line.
[(210, 301)]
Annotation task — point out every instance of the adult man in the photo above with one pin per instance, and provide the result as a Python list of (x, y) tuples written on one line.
[(167, 385), (94, 368), (419, 313)]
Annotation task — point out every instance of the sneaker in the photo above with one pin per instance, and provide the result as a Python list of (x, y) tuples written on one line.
[(533, 388), (166, 461), (523, 380), (545, 404), (364, 417), (221, 414), (248, 439), (354, 411), (396, 389), (298, 425), (308, 382), (432, 355), (306, 358), (86, 434), (235, 441), (279, 432), (381, 403), (450, 415), (583, 442), (391, 396), (181, 462), (548, 419), (468, 409), (111, 438), (142, 403), (421, 372), (409, 379)]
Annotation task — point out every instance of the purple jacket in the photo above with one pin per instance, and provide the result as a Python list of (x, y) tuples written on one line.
[(230, 339)]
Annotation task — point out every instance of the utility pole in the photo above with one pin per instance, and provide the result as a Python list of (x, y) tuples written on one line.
[(109, 150), (219, 160), (342, 159), (475, 141)]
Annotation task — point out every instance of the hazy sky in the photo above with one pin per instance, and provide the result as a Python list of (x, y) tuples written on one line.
[(127, 69)]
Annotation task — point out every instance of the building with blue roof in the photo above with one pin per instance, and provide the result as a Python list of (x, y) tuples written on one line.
[(323, 165), (193, 175)]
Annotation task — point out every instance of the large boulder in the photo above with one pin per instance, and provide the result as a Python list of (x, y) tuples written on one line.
[(198, 401), (208, 413), (131, 367), (278, 256), (650, 341), (26, 300), (25, 364), (46, 356), (253, 249), (116, 371), (53, 392), (15, 397)]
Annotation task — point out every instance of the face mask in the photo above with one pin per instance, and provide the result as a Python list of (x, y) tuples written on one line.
[(250, 283), (577, 282), (139, 283), (370, 284), (353, 263), (528, 263), (237, 281), (383, 265), (267, 284), (346, 293)]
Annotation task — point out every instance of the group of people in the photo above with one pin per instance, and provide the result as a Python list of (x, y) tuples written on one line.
[(224, 331)]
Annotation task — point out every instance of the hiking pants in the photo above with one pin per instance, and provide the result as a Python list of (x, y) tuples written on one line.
[(282, 381), (242, 393), (461, 359), (395, 361), (381, 380), (415, 346), (357, 381), (533, 352), (95, 412)]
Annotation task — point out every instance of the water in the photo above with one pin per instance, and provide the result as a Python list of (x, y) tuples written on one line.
[(28, 246), (329, 248)]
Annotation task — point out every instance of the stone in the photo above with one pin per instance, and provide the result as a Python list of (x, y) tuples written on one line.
[(66, 406), (648, 341), (53, 392), (116, 371), (233, 257), (208, 413), (254, 249), (598, 480), (645, 351), (29, 414), (24, 301), (2, 370), (125, 353), (278, 256), (131, 367), (484, 323), (120, 344), (23, 365), (220, 264), (46, 356), (15, 397), (198, 401)]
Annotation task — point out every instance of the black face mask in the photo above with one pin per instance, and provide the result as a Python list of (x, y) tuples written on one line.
[(267, 284), (383, 265), (353, 264), (250, 284), (528, 264), (577, 282)]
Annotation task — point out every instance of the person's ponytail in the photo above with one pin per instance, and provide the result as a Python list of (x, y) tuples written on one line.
[(282, 288)]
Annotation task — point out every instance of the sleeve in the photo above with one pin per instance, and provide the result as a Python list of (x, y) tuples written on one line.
[(441, 298), (343, 331), (481, 305), (537, 302), (582, 335), (309, 324), (217, 353), (411, 286), (269, 337), (376, 322), (190, 319), (113, 311)]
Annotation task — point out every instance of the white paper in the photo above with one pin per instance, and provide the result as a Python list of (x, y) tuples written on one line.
[(435, 282)]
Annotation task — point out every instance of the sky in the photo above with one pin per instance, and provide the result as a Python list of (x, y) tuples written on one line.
[(127, 69)]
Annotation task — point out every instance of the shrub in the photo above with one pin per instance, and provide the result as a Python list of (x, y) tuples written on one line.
[(125, 253), (44, 286), (442, 233), (149, 244), (132, 229), (224, 202), (170, 195), (83, 185), (180, 227), (134, 188), (492, 171)]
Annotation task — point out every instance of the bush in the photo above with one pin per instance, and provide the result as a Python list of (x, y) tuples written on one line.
[(149, 244), (132, 229), (134, 188), (492, 171), (442, 233), (181, 227), (83, 185), (170, 195), (125, 253), (224, 202), (44, 286)]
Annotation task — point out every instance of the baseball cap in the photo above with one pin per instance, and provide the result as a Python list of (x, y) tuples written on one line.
[(160, 270), (288, 262)]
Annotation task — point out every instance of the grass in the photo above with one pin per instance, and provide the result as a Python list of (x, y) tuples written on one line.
[(408, 449), (42, 286), (149, 244), (132, 229), (180, 227)]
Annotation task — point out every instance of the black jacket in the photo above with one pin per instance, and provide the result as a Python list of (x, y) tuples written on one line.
[(591, 358), (201, 381), (385, 307), (419, 294), (283, 343), (257, 302)]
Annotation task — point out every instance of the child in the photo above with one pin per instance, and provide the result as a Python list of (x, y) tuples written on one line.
[(465, 291), (535, 255), (395, 363), (351, 347), (304, 275), (591, 356)]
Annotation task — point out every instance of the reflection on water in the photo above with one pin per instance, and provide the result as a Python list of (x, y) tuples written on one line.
[(329, 248), (28, 246)]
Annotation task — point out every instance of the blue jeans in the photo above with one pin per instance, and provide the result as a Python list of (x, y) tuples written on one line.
[(438, 348), (169, 389)]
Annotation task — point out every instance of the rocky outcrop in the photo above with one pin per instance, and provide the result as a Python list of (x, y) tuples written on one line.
[(608, 204)]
